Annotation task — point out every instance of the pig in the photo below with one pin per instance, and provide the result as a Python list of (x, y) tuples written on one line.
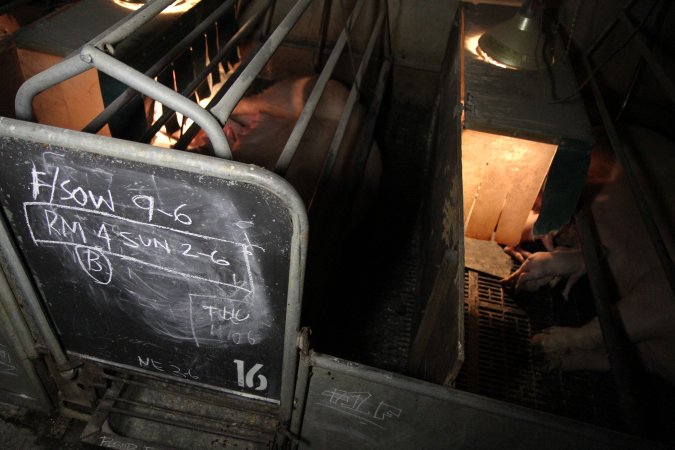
[(259, 126), (646, 304), (257, 131), (518, 252), (549, 267)]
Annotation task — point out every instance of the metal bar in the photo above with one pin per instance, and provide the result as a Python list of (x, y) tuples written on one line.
[(15, 329), (224, 108), (323, 35), (365, 143), (169, 411), (187, 137), (637, 74), (23, 287), (11, 311), (191, 392), (192, 131), (298, 260), (195, 427), (56, 74), (310, 106), (622, 359), (388, 54), (151, 88), (302, 383), (189, 89), (639, 70), (72, 65), (99, 121), (122, 31), (648, 56), (640, 199), (349, 105), (605, 31)]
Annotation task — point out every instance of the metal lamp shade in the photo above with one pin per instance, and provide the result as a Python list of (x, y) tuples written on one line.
[(516, 43)]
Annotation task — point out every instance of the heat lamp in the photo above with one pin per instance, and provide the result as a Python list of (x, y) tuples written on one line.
[(516, 43)]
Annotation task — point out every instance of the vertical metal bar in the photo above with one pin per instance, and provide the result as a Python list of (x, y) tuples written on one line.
[(56, 74), (323, 35), (11, 311), (622, 359), (361, 156), (603, 34), (302, 383), (640, 199), (657, 69), (648, 46), (298, 260), (99, 121), (313, 100), (72, 65), (151, 88), (16, 331), (224, 107), (123, 30), (245, 29), (344, 119), (23, 287), (364, 144)]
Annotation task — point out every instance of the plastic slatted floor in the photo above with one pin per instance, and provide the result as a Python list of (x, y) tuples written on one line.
[(500, 362)]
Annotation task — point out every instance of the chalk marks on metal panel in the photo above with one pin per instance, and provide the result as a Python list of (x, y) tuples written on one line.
[(361, 405)]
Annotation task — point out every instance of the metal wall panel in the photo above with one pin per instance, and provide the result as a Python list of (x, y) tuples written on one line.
[(353, 406)]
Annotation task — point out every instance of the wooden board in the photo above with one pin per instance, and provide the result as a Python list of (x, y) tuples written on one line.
[(11, 78), (487, 257), (71, 104), (502, 176)]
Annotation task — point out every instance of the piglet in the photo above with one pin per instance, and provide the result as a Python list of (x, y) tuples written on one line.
[(543, 268)]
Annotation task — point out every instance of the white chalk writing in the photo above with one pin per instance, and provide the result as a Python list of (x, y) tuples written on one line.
[(218, 318), (158, 366), (360, 405), (110, 235), (111, 442)]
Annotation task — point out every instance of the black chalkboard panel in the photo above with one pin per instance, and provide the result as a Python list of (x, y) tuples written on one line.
[(153, 268)]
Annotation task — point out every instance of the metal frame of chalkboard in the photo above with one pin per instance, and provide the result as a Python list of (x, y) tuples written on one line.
[(22, 384), (185, 162)]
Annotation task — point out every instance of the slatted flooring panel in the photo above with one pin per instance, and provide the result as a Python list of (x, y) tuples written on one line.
[(500, 363)]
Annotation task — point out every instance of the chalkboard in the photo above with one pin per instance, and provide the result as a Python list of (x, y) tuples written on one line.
[(155, 268)]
